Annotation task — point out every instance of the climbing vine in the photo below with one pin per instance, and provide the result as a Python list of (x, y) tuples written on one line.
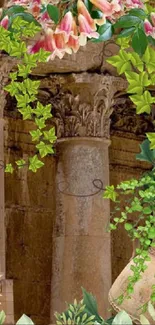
[(25, 91)]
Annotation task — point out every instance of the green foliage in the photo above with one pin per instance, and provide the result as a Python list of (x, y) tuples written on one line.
[(53, 12), (77, 314), (24, 320), (25, 90), (110, 193), (2, 317), (146, 153), (105, 31), (138, 196)]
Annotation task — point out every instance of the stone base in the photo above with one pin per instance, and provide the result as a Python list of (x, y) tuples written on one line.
[(6, 300)]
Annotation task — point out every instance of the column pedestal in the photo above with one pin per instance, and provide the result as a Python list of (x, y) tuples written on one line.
[(81, 244)]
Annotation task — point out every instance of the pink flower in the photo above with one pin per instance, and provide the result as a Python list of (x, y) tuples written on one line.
[(85, 30), (51, 42), (83, 11), (5, 22), (65, 25), (35, 6), (73, 41), (149, 29), (134, 4), (45, 19), (108, 8)]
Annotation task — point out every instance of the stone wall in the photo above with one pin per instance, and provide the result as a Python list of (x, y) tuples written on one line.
[(29, 214)]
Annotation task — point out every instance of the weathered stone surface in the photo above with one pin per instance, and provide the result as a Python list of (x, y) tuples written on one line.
[(87, 58), (30, 211)]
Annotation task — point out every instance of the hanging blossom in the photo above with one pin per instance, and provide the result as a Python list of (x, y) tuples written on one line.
[(72, 32), (149, 27)]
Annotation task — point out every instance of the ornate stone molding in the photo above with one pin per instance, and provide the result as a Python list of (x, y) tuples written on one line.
[(83, 104), (124, 118)]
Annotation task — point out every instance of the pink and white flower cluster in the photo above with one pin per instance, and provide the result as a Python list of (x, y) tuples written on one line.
[(149, 27), (71, 32)]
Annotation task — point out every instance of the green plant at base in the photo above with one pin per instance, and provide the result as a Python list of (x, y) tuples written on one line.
[(86, 312), (25, 90), (24, 320)]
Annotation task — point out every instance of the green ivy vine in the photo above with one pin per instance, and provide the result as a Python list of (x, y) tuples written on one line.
[(14, 43)]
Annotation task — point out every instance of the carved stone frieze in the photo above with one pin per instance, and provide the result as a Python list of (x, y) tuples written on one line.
[(124, 118), (83, 103)]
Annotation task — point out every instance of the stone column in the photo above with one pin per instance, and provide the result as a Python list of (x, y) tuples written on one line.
[(81, 243), (6, 286)]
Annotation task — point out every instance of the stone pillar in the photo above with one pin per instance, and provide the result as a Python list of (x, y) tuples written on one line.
[(81, 244), (6, 286)]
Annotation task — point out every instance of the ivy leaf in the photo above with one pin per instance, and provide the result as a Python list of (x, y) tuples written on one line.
[(26, 112), (36, 134), (35, 163), (9, 168), (53, 12), (121, 61), (12, 88), (24, 70), (31, 86), (143, 102), (139, 41), (151, 233), (137, 81), (146, 153), (149, 59), (151, 137), (20, 163), (127, 21), (44, 111), (31, 30), (18, 49), (42, 55), (50, 135), (110, 193), (137, 61), (44, 149), (30, 60), (40, 122), (13, 76), (22, 100)]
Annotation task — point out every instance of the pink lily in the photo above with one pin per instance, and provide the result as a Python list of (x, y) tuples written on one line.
[(134, 4), (45, 19), (35, 7), (73, 41), (83, 11), (5, 22), (108, 8), (85, 30), (149, 29), (65, 25)]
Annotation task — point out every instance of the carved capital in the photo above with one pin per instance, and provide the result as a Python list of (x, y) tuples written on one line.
[(83, 104)]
